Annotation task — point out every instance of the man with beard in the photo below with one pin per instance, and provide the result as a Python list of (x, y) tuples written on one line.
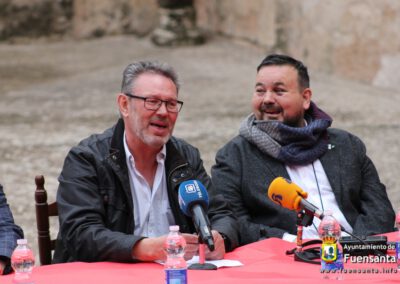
[(287, 135), (118, 190)]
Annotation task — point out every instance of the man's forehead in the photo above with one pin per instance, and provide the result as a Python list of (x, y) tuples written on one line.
[(276, 74), (150, 79), (277, 84)]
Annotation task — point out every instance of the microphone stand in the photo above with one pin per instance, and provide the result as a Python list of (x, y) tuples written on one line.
[(304, 219), (202, 265)]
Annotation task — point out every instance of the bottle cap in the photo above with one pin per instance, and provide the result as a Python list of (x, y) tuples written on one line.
[(22, 241), (329, 227), (174, 228)]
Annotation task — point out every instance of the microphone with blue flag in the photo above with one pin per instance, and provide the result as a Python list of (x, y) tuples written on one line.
[(193, 201)]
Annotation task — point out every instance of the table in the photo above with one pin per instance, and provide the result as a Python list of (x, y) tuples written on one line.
[(264, 262)]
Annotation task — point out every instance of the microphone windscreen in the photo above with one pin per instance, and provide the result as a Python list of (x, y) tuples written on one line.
[(192, 192), (286, 193)]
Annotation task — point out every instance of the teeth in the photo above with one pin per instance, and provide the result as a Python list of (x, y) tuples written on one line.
[(157, 125)]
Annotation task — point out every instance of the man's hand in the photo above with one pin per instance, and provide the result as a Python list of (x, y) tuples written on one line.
[(151, 249), (192, 245), (219, 251)]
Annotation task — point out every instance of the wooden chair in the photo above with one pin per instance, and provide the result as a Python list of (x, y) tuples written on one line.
[(43, 213)]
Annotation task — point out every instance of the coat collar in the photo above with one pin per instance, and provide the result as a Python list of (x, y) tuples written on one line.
[(117, 153)]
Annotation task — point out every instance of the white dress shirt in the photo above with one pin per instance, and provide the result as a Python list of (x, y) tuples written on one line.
[(320, 194), (151, 210)]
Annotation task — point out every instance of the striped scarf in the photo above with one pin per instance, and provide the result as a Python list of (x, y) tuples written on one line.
[(290, 145)]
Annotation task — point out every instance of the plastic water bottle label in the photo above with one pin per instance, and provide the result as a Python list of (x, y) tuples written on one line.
[(176, 276)]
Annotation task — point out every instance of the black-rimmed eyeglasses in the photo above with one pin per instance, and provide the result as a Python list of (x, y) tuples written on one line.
[(154, 103)]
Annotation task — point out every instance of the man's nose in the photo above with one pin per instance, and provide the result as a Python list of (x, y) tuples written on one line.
[(269, 97), (163, 108)]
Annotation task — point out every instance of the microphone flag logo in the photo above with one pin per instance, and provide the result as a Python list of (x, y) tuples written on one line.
[(193, 187), (190, 188)]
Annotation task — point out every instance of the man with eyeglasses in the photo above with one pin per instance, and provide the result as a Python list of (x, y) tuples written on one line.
[(118, 190)]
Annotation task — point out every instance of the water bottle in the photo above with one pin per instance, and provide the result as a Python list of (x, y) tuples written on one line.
[(22, 261), (398, 240), (175, 265), (331, 251)]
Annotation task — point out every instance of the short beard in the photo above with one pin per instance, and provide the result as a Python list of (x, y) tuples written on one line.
[(155, 141), (294, 122)]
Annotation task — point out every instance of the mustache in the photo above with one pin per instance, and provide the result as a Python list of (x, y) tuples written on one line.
[(270, 108), (159, 120)]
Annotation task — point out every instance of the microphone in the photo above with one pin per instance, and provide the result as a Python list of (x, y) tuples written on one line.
[(287, 194), (193, 201)]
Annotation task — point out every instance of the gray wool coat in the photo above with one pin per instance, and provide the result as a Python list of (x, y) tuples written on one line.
[(243, 174)]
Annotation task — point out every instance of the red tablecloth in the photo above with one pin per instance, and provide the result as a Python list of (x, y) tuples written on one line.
[(264, 262)]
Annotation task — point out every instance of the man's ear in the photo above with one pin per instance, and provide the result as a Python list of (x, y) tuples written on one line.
[(122, 102), (307, 94)]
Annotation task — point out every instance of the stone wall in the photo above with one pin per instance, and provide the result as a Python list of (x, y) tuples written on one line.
[(353, 39), (34, 18), (107, 17), (253, 21), (76, 18)]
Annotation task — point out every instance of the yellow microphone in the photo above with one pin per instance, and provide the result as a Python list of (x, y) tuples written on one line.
[(287, 194)]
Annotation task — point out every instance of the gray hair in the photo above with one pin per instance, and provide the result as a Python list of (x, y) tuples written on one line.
[(133, 70)]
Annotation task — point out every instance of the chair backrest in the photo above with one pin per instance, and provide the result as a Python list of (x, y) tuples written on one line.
[(44, 211)]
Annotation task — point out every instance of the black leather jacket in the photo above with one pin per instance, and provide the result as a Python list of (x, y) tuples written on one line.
[(95, 203)]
